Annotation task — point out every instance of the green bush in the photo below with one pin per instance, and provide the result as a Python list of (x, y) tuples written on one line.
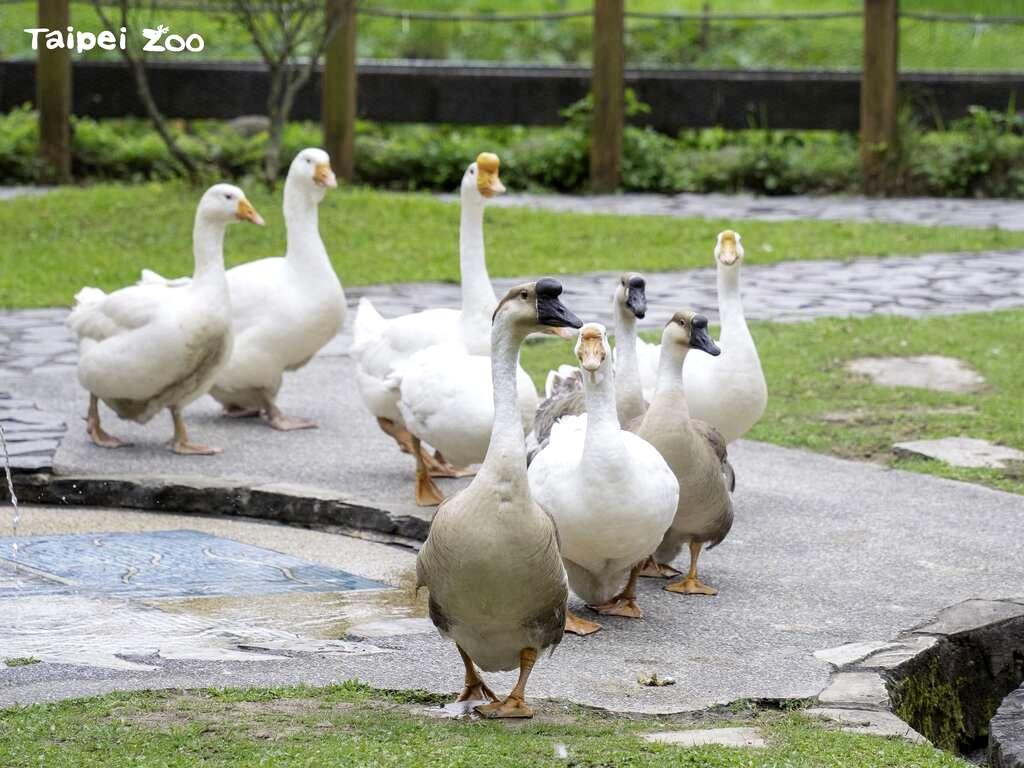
[(981, 155)]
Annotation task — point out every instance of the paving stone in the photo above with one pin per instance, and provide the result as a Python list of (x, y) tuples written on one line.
[(961, 452), (869, 722), (943, 374), (866, 689), (898, 653), (969, 615), (842, 655), (726, 737)]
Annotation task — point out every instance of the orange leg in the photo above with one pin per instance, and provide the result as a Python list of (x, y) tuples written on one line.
[(514, 705), (691, 585)]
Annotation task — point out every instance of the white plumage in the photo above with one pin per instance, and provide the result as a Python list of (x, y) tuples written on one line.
[(610, 492), (729, 391)]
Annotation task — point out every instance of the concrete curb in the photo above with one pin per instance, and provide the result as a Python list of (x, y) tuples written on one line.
[(939, 683), (303, 506)]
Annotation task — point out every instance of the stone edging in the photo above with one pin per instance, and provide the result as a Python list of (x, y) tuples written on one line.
[(293, 504), (1006, 733), (930, 676)]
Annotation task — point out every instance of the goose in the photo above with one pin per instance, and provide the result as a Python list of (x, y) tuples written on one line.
[(696, 453), (491, 561), (380, 346), (148, 347), (564, 388), (284, 309), (729, 391), (609, 491), (445, 399)]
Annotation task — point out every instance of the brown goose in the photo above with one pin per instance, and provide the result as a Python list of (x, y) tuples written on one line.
[(694, 451), (491, 560)]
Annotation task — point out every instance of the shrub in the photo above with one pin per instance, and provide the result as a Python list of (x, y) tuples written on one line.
[(981, 155)]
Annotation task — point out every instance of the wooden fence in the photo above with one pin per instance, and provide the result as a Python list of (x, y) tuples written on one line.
[(439, 92)]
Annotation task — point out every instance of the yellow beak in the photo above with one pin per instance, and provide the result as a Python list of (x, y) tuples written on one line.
[(246, 212), (324, 176), (728, 255)]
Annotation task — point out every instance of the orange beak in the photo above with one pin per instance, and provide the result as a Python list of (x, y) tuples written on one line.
[(246, 212), (324, 176)]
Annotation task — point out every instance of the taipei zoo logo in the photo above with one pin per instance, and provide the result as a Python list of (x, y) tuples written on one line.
[(157, 40)]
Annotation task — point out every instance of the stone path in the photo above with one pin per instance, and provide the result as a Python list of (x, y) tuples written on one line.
[(923, 211), (37, 341)]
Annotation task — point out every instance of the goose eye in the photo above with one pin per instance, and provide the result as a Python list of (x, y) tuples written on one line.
[(472, 172), (524, 295), (229, 196)]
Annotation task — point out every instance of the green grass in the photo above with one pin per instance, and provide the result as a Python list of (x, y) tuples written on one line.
[(796, 44), (352, 725), (814, 403), (21, 661), (103, 236)]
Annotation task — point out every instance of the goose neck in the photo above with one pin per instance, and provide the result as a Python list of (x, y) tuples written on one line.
[(629, 395), (302, 226), (506, 455), (602, 419), (730, 306), (208, 251), (670, 367), (478, 297)]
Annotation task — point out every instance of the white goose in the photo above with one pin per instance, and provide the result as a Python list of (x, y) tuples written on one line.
[(284, 309), (729, 391), (381, 346), (610, 493), (446, 400), (149, 347)]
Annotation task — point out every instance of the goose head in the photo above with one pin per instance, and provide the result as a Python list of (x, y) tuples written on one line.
[(592, 348), (535, 307), (480, 181), (311, 171), (728, 250), (225, 203), (631, 293), (689, 330)]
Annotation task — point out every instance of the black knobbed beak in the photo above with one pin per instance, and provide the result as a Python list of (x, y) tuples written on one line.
[(551, 312), (700, 339), (636, 297)]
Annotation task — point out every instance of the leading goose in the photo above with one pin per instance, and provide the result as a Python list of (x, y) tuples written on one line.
[(491, 559), (149, 347)]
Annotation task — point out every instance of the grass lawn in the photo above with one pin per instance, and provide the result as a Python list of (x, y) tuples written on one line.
[(105, 234), (352, 725), (814, 404)]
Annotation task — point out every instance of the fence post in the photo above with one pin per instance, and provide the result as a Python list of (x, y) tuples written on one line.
[(879, 97), (338, 108), (53, 96), (608, 87)]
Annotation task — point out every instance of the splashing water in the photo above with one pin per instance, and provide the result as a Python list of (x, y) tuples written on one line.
[(10, 489)]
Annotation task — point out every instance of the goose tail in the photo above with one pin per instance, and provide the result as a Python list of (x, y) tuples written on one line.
[(367, 326)]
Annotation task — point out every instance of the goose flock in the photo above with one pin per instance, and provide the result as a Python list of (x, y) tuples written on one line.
[(623, 464)]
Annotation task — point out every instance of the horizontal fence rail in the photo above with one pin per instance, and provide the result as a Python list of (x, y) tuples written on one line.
[(525, 95)]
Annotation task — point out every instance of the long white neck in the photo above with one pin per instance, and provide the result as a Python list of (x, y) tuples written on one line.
[(506, 455), (603, 431), (208, 251), (629, 393), (670, 368), (305, 247), (730, 306), (478, 297)]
